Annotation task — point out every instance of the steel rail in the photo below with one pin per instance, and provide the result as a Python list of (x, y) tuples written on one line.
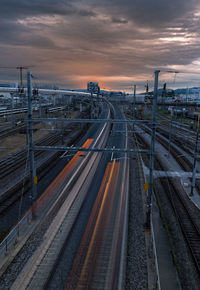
[(100, 261), (184, 213), (11, 131), (64, 220), (183, 210), (119, 272), (190, 228), (184, 161)]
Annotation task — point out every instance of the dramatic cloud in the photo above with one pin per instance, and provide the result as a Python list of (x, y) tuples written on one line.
[(147, 12), (115, 42)]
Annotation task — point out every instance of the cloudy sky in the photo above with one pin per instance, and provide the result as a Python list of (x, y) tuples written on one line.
[(115, 42)]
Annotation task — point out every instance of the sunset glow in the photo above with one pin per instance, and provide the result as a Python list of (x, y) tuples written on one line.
[(116, 43)]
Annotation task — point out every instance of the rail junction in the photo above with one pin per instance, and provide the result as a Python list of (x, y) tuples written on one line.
[(96, 198)]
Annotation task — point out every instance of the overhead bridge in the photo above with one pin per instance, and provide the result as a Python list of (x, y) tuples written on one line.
[(48, 91)]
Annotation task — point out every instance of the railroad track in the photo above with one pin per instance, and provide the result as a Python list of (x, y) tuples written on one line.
[(14, 161), (107, 226), (11, 131), (184, 211), (98, 264), (11, 193), (183, 161), (179, 132), (176, 123), (179, 137), (75, 191)]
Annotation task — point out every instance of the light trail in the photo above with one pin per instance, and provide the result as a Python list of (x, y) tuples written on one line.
[(60, 179), (96, 233)]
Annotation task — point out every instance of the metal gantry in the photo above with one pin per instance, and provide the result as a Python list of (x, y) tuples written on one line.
[(99, 121), (108, 150), (32, 147)]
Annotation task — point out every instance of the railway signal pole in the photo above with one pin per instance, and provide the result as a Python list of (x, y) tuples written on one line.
[(195, 160), (21, 68), (33, 177), (170, 136), (12, 115), (152, 149), (134, 100), (134, 103)]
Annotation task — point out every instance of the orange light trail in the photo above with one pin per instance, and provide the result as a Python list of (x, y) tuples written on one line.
[(60, 179), (96, 229)]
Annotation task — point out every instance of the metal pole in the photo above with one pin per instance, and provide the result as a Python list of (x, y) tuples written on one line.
[(170, 136), (134, 100), (195, 160), (152, 149), (33, 177), (175, 122), (12, 115), (21, 81), (81, 108), (40, 108), (92, 107)]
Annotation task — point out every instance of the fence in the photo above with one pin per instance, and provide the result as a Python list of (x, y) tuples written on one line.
[(19, 230)]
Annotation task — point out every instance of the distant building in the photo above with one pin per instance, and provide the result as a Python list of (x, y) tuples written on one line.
[(93, 87), (14, 85), (4, 85)]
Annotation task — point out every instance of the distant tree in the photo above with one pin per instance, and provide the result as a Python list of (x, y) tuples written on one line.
[(170, 94)]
